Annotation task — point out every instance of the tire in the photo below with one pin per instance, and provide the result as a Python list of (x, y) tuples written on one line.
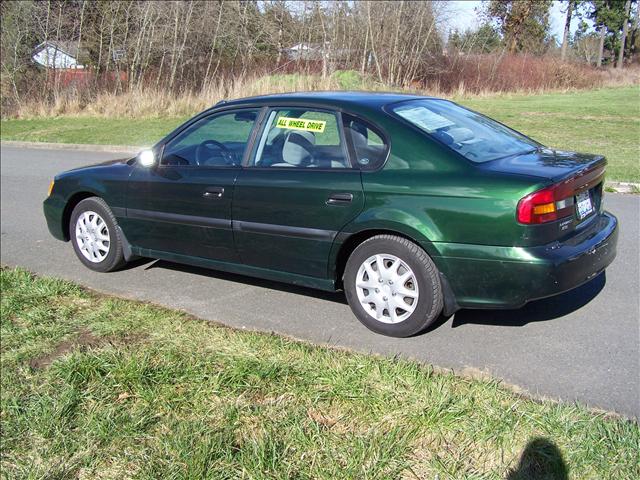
[(98, 222), (409, 284)]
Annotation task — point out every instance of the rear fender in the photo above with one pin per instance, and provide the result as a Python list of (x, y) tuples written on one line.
[(398, 223), (381, 221)]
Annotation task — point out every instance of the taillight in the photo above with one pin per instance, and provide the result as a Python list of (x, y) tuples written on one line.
[(546, 205), (557, 201)]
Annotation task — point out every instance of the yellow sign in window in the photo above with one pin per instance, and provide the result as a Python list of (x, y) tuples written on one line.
[(301, 124)]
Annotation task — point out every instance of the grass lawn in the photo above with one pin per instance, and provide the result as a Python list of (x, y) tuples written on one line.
[(101, 387), (90, 130), (605, 121)]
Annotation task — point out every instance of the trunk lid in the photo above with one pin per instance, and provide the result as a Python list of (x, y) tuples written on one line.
[(575, 186), (554, 165)]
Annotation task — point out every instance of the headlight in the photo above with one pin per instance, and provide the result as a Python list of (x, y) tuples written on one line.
[(51, 187)]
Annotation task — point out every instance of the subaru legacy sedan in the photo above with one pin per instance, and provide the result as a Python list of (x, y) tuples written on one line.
[(414, 206)]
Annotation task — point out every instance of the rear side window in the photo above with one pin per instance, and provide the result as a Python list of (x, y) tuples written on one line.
[(301, 138), (367, 144), (475, 136)]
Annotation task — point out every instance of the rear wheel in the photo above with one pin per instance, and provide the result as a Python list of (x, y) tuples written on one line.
[(94, 235), (392, 286)]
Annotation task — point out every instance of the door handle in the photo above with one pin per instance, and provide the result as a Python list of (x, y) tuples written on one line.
[(339, 198), (213, 192)]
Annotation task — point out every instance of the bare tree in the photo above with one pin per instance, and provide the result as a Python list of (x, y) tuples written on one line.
[(625, 31), (602, 30), (192, 46), (571, 4)]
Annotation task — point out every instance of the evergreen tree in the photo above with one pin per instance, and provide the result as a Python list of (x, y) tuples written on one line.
[(524, 24)]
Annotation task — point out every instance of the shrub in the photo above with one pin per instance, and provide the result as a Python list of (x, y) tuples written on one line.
[(512, 73), (452, 75), (349, 79)]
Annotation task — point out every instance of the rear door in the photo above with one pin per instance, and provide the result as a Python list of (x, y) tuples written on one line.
[(297, 191), (183, 205)]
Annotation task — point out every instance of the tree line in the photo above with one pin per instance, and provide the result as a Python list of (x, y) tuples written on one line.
[(185, 45), (524, 26), (188, 42)]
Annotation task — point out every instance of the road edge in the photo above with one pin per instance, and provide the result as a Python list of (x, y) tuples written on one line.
[(72, 146)]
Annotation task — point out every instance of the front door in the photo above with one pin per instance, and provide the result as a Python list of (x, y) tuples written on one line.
[(183, 206), (297, 192)]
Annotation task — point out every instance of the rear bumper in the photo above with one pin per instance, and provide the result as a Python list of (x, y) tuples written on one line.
[(53, 208), (483, 276)]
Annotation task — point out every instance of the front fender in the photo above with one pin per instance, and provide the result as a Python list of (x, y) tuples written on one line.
[(110, 186), (105, 181)]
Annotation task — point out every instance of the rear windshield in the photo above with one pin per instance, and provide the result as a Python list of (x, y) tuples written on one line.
[(478, 138)]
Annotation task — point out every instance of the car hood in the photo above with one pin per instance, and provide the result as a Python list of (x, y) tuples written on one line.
[(108, 163), (546, 163), (117, 161), (96, 167)]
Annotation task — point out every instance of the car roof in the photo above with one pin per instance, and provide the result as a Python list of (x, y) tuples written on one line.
[(326, 98)]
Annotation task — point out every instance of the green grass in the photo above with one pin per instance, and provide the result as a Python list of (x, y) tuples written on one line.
[(101, 387), (605, 121), (89, 130)]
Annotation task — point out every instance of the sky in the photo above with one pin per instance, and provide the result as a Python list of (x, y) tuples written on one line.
[(462, 15)]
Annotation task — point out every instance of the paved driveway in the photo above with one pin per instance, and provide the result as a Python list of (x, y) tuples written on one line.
[(583, 345)]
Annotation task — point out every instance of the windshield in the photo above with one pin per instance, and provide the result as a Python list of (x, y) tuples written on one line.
[(478, 138)]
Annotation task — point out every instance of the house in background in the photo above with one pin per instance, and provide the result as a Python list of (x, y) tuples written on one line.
[(304, 51), (315, 51), (60, 55), (65, 62)]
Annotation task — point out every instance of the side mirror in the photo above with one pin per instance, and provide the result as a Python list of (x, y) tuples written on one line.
[(147, 158)]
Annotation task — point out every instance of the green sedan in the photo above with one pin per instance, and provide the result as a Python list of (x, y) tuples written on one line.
[(414, 206)]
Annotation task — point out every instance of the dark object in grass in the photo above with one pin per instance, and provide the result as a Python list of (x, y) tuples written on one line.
[(541, 459)]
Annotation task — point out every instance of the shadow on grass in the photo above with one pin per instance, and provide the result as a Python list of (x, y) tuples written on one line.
[(540, 460), (536, 311)]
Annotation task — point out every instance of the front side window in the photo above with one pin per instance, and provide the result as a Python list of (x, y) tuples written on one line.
[(214, 141), (478, 138), (301, 138)]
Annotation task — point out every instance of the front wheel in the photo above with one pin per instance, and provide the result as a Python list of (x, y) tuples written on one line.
[(94, 235), (392, 286)]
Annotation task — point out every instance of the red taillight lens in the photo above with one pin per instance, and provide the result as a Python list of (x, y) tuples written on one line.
[(557, 201), (545, 205), (537, 207)]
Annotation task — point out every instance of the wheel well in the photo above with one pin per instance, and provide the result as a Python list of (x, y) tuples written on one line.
[(353, 241), (450, 303), (75, 199)]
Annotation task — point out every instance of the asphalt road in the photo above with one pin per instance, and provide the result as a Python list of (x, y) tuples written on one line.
[(583, 345)]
